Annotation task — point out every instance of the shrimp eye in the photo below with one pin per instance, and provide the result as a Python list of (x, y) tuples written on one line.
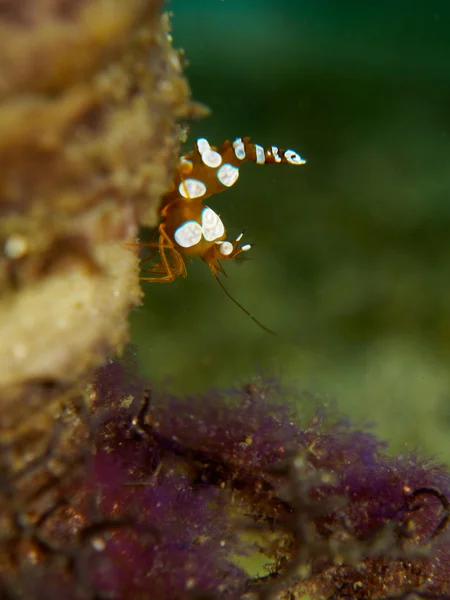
[(226, 248)]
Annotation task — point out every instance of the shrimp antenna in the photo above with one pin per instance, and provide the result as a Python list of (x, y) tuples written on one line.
[(249, 314)]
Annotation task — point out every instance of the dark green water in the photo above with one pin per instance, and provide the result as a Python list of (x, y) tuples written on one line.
[(352, 258)]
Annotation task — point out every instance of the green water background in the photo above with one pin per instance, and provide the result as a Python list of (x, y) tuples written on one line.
[(352, 252)]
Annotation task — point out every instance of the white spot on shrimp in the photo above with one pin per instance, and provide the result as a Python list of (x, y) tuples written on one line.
[(226, 248), (228, 174), (239, 148), (211, 158), (192, 188), (246, 247), (212, 226), (188, 234), (260, 156), (203, 145), (293, 158), (275, 154), (239, 237)]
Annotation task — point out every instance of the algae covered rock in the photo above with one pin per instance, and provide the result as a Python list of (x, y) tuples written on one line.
[(90, 95)]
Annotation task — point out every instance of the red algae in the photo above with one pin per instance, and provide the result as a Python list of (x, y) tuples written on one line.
[(173, 484)]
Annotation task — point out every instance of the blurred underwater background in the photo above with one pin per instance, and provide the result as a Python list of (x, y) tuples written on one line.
[(352, 251)]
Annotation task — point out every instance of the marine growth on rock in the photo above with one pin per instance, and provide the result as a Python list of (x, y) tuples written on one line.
[(175, 498)]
